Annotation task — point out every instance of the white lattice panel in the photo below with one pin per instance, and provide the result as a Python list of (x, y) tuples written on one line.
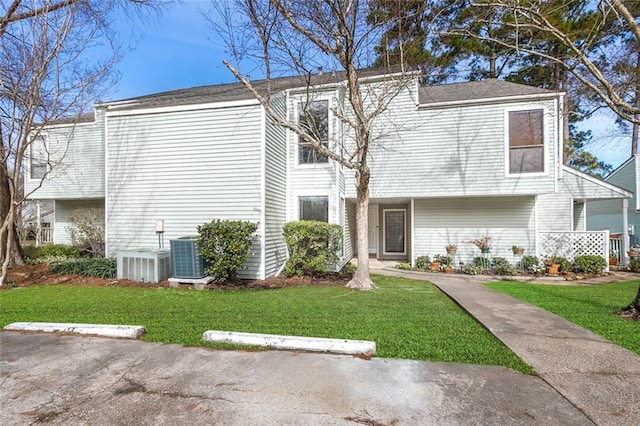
[(572, 244)]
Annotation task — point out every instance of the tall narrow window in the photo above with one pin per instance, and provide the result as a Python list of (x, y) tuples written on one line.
[(38, 158), (314, 208), (526, 141), (314, 118)]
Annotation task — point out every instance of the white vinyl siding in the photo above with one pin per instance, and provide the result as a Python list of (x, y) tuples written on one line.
[(187, 168), (77, 162), (63, 208), (456, 151), (275, 193), (556, 211), (315, 179), (508, 220)]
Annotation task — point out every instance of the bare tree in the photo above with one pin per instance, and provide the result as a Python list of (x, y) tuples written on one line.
[(608, 18), (296, 37), (57, 57), (589, 59)]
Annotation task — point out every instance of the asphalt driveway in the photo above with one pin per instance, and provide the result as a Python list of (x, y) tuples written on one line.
[(62, 379)]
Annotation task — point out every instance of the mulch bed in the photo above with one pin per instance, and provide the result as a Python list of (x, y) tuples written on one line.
[(38, 275)]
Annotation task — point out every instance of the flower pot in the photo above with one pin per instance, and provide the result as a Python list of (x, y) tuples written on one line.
[(485, 250), (518, 251), (452, 250), (448, 270), (435, 266), (553, 269), (613, 261)]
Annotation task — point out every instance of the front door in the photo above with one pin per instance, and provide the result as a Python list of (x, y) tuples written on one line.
[(373, 230), (394, 231)]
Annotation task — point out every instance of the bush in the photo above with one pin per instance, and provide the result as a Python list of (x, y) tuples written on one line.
[(403, 266), (423, 263), (482, 262), (528, 262), (49, 251), (634, 265), (444, 260), (348, 269), (503, 267), (86, 227), (471, 270), (590, 263), (91, 267), (313, 247), (224, 246)]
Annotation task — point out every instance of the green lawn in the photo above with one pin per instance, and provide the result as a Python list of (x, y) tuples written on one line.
[(587, 306), (407, 319)]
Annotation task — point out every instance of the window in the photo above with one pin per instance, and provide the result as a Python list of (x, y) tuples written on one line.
[(314, 208), (526, 141), (314, 118), (38, 158)]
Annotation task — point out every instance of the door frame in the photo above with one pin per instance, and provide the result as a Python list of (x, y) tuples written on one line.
[(384, 232)]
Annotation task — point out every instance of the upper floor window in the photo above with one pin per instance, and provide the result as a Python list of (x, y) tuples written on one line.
[(38, 158), (314, 208), (526, 141), (314, 118)]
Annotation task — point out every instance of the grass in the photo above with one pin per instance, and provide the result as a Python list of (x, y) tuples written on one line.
[(407, 319), (588, 306)]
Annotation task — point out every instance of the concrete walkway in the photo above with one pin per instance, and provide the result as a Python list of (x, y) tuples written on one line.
[(598, 377)]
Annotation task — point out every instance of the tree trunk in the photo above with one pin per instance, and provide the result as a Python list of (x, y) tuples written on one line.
[(632, 310), (361, 279)]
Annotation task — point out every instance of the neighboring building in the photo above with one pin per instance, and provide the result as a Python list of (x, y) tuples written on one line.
[(450, 163), (609, 214)]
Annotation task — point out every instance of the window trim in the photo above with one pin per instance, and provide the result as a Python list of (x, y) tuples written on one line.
[(299, 204), (296, 137), (545, 140), (45, 138)]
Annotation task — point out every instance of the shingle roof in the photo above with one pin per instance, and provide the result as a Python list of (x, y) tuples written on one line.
[(233, 91), (477, 90), (455, 92)]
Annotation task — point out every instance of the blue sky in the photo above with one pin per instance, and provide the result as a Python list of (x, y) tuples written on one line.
[(180, 50)]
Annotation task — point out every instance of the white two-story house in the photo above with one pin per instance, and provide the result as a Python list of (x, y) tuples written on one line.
[(449, 164)]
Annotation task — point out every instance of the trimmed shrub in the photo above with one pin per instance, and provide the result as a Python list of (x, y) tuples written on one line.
[(91, 267), (313, 247), (423, 263), (634, 265), (224, 246), (590, 263), (86, 227)]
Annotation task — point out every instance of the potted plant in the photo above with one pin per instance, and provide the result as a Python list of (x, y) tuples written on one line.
[(483, 243), (552, 266), (517, 249), (451, 249), (448, 269), (435, 266), (613, 258)]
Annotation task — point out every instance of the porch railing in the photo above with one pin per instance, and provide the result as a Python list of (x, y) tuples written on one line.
[(46, 236), (572, 244), (615, 244)]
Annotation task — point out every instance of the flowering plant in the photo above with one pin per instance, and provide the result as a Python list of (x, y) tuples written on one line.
[(483, 242)]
